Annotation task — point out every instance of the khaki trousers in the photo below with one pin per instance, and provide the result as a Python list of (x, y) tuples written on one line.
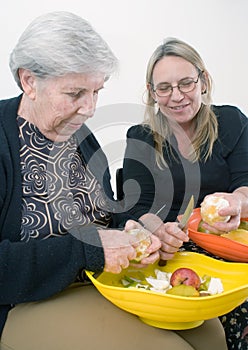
[(80, 318)]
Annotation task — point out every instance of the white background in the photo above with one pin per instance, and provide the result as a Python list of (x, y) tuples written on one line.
[(133, 29)]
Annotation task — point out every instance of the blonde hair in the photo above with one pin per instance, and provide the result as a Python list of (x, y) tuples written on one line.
[(206, 122)]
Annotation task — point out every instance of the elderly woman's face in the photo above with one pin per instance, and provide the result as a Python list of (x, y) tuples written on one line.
[(61, 105)]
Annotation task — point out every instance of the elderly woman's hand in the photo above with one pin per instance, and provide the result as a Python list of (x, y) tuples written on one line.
[(118, 250), (152, 250)]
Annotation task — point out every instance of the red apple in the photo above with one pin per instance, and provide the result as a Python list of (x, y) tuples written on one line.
[(185, 276)]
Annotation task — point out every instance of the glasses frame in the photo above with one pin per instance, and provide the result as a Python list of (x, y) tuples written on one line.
[(177, 86)]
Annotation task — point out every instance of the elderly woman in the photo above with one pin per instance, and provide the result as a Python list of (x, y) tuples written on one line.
[(56, 202)]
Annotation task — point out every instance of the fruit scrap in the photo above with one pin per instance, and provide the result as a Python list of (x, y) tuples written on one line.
[(239, 235), (184, 291), (196, 286), (243, 225), (182, 282), (161, 282), (130, 282)]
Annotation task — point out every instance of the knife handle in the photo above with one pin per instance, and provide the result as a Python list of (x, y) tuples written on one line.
[(162, 262)]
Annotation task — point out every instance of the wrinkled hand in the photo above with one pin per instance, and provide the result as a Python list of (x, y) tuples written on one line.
[(233, 210), (118, 250), (153, 248)]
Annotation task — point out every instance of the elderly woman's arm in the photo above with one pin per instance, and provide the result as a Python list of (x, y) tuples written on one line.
[(38, 269)]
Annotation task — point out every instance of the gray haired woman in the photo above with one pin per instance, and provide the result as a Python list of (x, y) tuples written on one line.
[(57, 214)]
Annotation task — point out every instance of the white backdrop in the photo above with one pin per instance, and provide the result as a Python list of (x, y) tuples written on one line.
[(133, 29)]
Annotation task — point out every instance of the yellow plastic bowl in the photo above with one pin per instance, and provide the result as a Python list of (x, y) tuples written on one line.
[(177, 312)]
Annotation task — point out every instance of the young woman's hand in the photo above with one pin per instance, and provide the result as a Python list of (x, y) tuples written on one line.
[(234, 210), (169, 234)]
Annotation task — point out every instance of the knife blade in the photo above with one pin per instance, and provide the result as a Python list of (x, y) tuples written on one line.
[(157, 212), (188, 211), (183, 221)]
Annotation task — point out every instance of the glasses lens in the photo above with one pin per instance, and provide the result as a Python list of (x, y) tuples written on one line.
[(163, 90), (186, 86)]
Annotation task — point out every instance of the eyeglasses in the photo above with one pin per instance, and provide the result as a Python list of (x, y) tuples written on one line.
[(184, 86)]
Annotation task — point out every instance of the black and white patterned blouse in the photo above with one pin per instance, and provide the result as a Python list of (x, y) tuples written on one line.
[(59, 190)]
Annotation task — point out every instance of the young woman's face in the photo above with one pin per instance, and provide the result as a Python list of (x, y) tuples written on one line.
[(178, 106), (61, 105)]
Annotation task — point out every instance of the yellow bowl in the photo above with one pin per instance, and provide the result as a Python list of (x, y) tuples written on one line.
[(177, 312)]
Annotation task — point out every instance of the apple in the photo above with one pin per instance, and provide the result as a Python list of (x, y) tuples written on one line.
[(185, 276)]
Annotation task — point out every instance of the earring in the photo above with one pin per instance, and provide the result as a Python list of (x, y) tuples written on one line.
[(156, 107), (204, 92)]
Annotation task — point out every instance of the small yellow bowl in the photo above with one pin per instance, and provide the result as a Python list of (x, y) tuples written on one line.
[(177, 312)]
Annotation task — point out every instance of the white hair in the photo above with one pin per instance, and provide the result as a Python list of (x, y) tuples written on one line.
[(58, 43)]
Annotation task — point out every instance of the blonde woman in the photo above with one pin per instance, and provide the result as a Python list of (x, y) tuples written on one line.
[(185, 146)]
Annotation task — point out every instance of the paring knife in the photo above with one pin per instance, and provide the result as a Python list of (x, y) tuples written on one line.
[(157, 212), (182, 222), (188, 211)]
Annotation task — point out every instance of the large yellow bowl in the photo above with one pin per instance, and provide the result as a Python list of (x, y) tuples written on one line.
[(177, 312)]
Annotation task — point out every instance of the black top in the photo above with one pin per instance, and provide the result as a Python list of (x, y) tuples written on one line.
[(36, 269), (224, 171)]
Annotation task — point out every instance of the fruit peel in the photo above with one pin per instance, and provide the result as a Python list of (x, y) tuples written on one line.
[(183, 290), (238, 235)]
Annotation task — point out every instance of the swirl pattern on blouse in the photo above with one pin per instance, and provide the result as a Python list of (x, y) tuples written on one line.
[(59, 190)]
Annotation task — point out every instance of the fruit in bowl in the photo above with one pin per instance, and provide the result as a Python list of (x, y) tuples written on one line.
[(239, 235), (227, 246), (210, 209), (169, 311), (184, 281), (187, 276), (183, 290)]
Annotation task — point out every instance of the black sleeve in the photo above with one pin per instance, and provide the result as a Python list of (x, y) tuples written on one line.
[(139, 187), (38, 269), (233, 135)]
